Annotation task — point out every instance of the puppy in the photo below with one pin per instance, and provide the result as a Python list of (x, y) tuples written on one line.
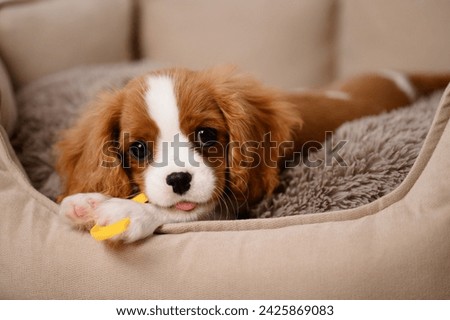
[(203, 144)]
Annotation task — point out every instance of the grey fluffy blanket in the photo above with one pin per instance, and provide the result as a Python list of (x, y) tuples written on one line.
[(378, 153)]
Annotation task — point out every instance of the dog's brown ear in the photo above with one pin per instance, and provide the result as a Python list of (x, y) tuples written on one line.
[(259, 122), (89, 157)]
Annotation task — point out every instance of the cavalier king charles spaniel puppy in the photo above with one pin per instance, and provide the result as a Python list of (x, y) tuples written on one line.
[(203, 144)]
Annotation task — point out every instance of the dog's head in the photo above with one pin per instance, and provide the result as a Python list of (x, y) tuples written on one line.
[(190, 140)]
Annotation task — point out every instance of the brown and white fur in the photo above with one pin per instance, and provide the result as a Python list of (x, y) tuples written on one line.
[(203, 143)]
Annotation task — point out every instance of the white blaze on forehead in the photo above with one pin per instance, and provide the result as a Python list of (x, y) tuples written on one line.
[(172, 157), (162, 107)]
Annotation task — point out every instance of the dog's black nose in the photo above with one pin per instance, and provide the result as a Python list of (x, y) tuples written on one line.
[(180, 181)]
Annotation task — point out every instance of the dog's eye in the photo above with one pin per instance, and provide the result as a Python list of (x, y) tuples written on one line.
[(206, 136), (139, 150)]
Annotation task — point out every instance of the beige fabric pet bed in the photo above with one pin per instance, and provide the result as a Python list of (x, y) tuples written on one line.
[(395, 247)]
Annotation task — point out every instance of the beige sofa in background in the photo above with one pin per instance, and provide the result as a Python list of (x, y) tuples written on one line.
[(396, 247)]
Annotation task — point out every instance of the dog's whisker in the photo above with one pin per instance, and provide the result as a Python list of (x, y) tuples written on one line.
[(229, 200), (221, 203)]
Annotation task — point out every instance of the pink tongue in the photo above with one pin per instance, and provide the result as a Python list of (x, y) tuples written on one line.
[(185, 206)]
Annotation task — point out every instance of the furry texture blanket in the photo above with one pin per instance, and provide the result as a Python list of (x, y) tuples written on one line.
[(378, 152)]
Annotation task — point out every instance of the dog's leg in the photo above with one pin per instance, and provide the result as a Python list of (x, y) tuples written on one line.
[(324, 110), (83, 210), (145, 218)]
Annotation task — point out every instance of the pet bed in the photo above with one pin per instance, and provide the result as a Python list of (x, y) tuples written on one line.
[(378, 152), (394, 247)]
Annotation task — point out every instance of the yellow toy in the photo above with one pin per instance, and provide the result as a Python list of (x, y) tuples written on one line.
[(100, 233)]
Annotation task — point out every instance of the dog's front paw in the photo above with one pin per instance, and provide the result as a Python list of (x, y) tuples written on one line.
[(142, 222), (79, 209)]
